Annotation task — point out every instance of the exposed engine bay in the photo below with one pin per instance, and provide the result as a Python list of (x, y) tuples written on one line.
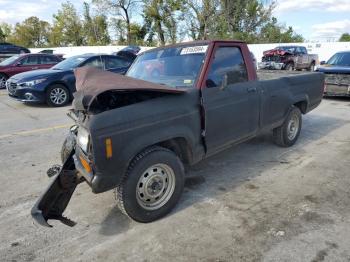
[(115, 99)]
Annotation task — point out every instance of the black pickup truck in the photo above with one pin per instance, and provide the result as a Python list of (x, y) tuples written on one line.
[(176, 106)]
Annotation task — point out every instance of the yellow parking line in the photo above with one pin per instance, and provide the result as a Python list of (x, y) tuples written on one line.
[(34, 131)]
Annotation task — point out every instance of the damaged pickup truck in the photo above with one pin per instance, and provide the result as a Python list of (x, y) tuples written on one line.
[(289, 58), (176, 106)]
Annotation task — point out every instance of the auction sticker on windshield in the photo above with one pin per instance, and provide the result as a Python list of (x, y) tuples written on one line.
[(194, 50)]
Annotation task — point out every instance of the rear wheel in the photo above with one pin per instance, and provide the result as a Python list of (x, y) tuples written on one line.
[(289, 67), (312, 67), (3, 79), (152, 186), (287, 134), (57, 95)]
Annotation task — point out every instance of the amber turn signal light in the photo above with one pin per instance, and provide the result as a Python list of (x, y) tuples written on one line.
[(85, 164), (109, 151)]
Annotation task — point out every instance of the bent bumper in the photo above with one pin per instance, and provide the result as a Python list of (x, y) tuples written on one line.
[(28, 95), (52, 203), (271, 65)]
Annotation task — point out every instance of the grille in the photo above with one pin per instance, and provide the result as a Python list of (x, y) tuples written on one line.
[(11, 87), (338, 79), (272, 59)]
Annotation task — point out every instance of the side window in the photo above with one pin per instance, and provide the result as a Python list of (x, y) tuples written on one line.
[(30, 60), (96, 62), (48, 60), (228, 62), (303, 49), (116, 62)]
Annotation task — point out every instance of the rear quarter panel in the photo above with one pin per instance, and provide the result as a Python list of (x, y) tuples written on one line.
[(278, 95)]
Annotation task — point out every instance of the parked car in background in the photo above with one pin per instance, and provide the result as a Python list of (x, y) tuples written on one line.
[(7, 48), (23, 63), (129, 52), (56, 86), (131, 49), (50, 51), (289, 58), (337, 73)]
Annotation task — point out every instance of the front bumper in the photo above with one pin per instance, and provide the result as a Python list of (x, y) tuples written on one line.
[(26, 94), (56, 197), (271, 65), (336, 90)]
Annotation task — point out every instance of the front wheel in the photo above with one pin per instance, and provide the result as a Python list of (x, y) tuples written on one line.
[(289, 67), (3, 79), (57, 95), (287, 134), (152, 186)]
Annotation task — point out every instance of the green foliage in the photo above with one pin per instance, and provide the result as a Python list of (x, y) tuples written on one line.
[(162, 18), (272, 32), (32, 32), (67, 27), (5, 31), (345, 38), (164, 21), (95, 28)]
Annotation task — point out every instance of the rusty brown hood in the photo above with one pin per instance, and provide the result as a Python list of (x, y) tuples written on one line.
[(91, 82)]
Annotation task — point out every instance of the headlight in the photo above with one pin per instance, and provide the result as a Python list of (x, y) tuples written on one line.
[(83, 139), (33, 83)]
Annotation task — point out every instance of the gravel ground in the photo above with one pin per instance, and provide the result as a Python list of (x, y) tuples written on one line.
[(253, 202)]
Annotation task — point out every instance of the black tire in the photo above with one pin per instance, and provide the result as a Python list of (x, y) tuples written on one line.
[(57, 89), (3, 79), (282, 135), (128, 194), (67, 147), (289, 67), (312, 67)]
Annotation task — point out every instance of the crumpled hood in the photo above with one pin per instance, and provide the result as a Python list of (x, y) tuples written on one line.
[(91, 82), (276, 51)]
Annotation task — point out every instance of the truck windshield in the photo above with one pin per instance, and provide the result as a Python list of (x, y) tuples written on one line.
[(340, 59), (172, 66)]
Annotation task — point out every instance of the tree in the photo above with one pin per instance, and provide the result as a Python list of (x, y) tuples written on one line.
[(121, 8), (67, 27), (162, 18), (272, 32), (201, 16), (32, 32), (95, 28), (344, 38), (5, 31)]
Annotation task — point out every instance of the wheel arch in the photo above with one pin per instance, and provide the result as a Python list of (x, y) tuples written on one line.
[(302, 105), (63, 84)]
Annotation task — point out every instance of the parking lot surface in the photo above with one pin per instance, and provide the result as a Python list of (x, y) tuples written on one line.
[(253, 202)]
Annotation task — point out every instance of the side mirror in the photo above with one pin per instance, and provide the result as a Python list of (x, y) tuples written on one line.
[(18, 64), (323, 63), (224, 82)]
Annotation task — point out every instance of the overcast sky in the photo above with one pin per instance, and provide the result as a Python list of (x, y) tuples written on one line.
[(314, 19)]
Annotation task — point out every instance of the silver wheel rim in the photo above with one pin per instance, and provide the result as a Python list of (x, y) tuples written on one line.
[(155, 187), (58, 96), (2, 82), (293, 127)]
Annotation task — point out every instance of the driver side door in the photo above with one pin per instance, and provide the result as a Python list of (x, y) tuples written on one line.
[(231, 111)]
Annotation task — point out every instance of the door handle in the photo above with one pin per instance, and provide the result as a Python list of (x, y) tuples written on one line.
[(251, 89), (35, 68)]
